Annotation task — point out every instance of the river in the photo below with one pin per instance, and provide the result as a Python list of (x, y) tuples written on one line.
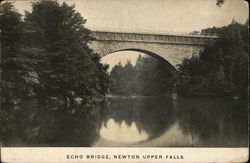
[(130, 122)]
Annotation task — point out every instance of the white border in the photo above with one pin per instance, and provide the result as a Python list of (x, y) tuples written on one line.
[(56, 154)]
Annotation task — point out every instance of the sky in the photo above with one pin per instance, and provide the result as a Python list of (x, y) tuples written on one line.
[(123, 57), (155, 15), (169, 16)]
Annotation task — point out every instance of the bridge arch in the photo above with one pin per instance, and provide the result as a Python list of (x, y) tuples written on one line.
[(169, 49), (168, 66)]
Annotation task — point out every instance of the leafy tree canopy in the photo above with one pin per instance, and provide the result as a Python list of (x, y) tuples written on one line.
[(222, 66), (16, 69), (148, 77), (70, 69)]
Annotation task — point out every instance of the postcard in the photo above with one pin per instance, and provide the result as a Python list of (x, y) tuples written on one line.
[(124, 81)]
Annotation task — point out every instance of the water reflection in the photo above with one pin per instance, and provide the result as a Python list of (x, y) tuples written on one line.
[(150, 114), (214, 121), (41, 125), (184, 122), (135, 122), (173, 137), (123, 132)]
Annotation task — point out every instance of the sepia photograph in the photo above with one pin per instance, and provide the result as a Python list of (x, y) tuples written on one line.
[(129, 75)]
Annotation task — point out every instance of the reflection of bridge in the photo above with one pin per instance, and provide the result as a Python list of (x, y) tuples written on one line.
[(171, 49)]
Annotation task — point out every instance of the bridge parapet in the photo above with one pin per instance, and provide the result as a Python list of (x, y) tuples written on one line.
[(151, 38)]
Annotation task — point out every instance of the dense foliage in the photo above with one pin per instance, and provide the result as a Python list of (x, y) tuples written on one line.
[(148, 77), (16, 69), (46, 55), (222, 68)]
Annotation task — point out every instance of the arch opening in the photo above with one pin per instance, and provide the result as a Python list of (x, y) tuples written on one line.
[(157, 57), (136, 72), (168, 65)]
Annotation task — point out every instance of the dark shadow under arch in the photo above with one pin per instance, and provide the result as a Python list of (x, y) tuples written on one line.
[(170, 67)]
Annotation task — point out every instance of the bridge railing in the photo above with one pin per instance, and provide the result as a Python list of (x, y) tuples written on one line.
[(153, 38), (143, 31)]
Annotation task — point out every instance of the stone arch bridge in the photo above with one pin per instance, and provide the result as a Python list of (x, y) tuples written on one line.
[(170, 49)]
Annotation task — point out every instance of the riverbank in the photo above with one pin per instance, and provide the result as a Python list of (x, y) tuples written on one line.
[(177, 95)]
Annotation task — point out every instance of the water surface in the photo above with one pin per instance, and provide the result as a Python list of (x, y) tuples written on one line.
[(130, 122)]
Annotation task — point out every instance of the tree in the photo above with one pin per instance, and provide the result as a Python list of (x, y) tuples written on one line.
[(69, 68), (17, 76), (222, 66), (148, 77), (117, 79), (128, 75)]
